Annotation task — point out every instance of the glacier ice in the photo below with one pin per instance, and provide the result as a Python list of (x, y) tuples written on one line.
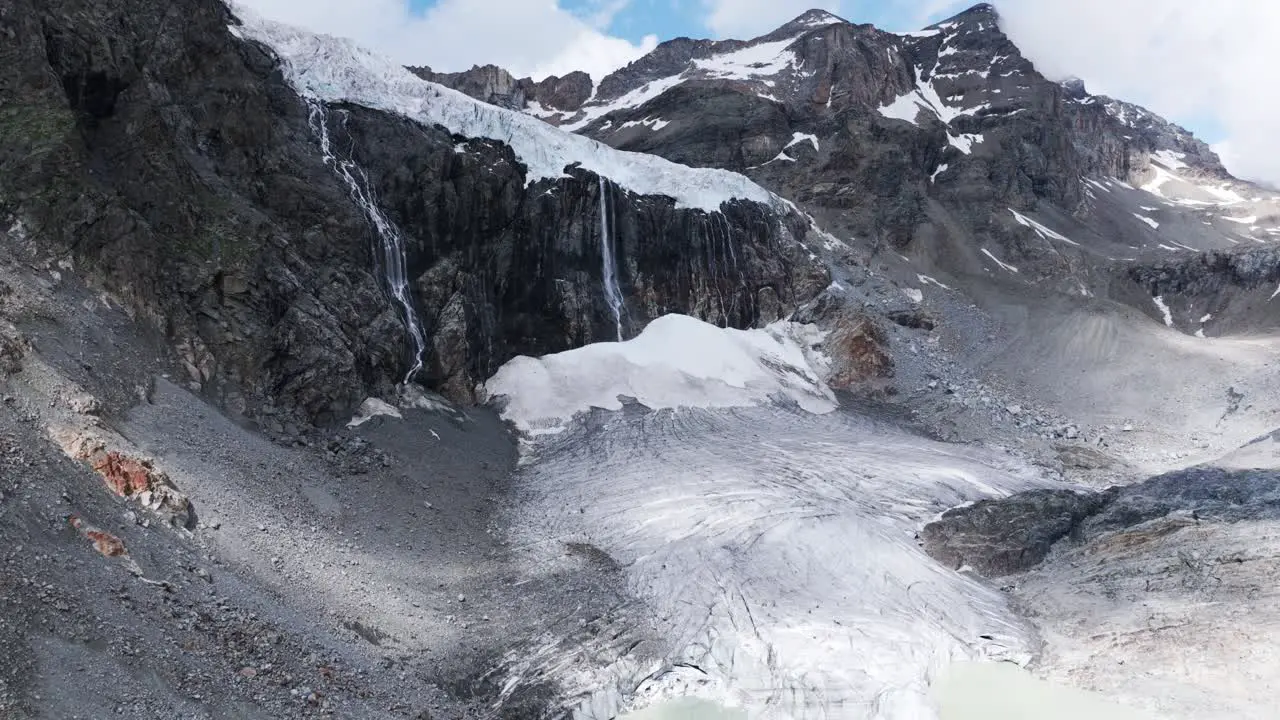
[(676, 361), (334, 70), (769, 533)]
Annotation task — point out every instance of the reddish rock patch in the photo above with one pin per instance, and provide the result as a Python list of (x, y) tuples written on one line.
[(131, 478), (858, 348), (126, 476), (104, 542)]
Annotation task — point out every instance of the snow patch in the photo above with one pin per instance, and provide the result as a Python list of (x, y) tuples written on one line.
[(964, 142), (372, 408), (914, 295), (922, 97), (799, 137), (999, 262), (654, 124), (1243, 221), (1224, 193), (906, 107), (1097, 185), (1154, 225), (633, 99), (1164, 310), (677, 361), (926, 280), (822, 19), (1170, 159), (750, 62), (941, 169), (1040, 229)]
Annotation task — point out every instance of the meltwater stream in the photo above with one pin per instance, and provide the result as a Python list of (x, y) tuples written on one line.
[(612, 293), (389, 255)]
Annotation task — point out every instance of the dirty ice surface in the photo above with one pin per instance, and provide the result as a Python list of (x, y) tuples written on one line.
[(773, 547)]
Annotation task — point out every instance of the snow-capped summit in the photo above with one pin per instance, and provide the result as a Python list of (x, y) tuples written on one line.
[(816, 18)]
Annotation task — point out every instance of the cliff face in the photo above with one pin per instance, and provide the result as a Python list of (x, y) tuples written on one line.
[(501, 268), (176, 168), (494, 85)]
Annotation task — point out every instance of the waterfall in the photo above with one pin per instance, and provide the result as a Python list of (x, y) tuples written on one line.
[(389, 254), (612, 293)]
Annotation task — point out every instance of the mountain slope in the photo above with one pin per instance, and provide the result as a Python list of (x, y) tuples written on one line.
[(268, 270), (774, 307), (943, 158), (900, 135)]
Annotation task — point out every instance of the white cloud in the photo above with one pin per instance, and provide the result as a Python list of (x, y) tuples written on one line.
[(527, 37), (1180, 58)]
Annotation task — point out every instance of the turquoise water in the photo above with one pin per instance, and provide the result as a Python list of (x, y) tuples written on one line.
[(1001, 691), (687, 709)]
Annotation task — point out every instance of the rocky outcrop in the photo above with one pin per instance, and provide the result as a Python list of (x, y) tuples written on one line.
[(496, 86), (11, 352), (104, 542), (139, 480), (1001, 537), (1015, 534), (919, 144), (1236, 289)]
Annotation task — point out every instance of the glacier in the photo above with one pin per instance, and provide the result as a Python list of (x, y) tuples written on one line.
[(336, 70), (769, 532)]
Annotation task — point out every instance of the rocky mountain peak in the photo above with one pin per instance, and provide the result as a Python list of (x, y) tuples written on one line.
[(1074, 88), (980, 13), (497, 86), (809, 20)]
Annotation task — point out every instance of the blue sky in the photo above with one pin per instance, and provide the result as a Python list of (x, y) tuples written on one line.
[(675, 18)]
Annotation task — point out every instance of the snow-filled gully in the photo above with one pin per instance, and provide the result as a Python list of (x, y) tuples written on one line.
[(768, 535)]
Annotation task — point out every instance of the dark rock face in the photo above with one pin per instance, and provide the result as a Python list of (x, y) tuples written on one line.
[(1203, 494), (991, 134), (177, 171), (486, 83), (1236, 288), (496, 86), (504, 269), (564, 93), (1014, 534), (181, 174), (1001, 537)]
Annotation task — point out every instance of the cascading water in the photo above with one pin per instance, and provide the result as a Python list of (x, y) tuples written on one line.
[(389, 255), (612, 293)]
